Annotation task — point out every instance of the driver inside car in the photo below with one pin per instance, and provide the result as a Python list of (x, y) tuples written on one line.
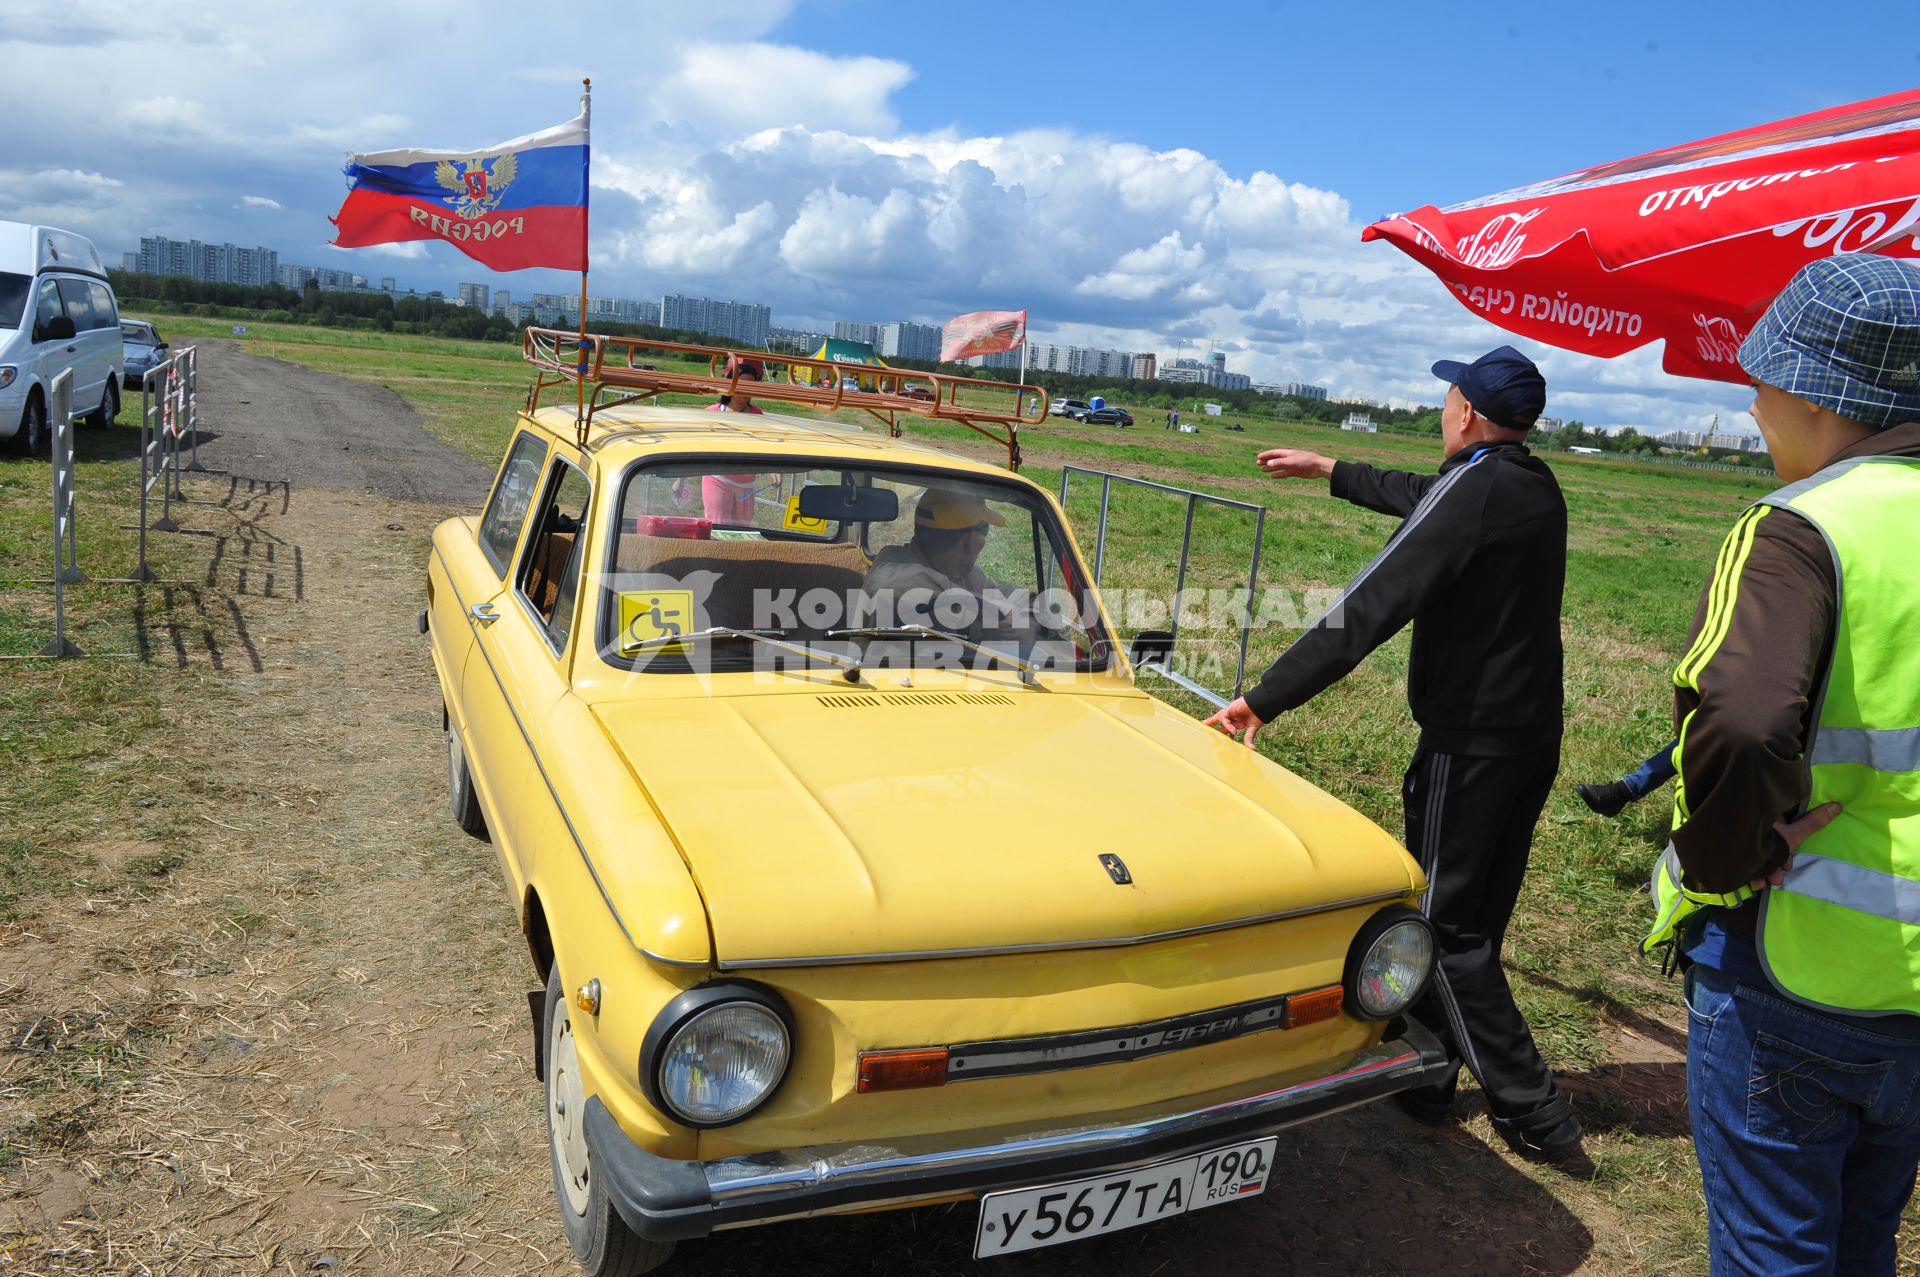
[(935, 578)]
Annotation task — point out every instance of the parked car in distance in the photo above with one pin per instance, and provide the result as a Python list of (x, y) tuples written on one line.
[(1108, 416), (828, 906), (141, 349), (1068, 408), (57, 313)]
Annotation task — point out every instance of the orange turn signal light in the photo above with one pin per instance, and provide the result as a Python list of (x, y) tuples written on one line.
[(902, 1070), (1314, 1005)]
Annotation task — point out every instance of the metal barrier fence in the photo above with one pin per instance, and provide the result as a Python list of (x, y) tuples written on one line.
[(66, 567), (1161, 646), (169, 412), (169, 425)]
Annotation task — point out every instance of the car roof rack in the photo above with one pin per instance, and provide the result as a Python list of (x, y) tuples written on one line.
[(609, 371)]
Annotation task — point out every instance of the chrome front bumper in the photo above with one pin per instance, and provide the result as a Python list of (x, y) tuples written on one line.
[(662, 1198)]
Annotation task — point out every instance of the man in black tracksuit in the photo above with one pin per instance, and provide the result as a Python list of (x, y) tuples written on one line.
[(1477, 565)]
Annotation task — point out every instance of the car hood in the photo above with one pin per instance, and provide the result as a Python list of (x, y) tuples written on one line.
[(846, 825)]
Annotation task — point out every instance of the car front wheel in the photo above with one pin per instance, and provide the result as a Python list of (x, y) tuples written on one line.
[(31, 439), (600, 1239), (460, 795)]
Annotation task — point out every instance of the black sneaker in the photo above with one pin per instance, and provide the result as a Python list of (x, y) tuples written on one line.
[(1424, 1107), (1609, 799), (1559, 1142)]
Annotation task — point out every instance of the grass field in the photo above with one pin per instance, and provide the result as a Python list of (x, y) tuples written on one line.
[(1642, 540)]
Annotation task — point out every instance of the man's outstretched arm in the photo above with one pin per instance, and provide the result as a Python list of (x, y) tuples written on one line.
[(1419, 564), (1394, 492)]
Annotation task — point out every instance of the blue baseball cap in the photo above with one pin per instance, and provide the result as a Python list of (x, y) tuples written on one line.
[(1503, 386), (1844, 334)]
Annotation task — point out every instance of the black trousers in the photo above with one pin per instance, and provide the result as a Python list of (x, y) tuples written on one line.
[(1470, 825)]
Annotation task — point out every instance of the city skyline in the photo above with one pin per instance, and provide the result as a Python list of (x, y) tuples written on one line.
[(746, 322)]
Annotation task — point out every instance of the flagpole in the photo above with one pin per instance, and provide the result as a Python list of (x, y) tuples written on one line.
[(1023, 358), (580, 384)]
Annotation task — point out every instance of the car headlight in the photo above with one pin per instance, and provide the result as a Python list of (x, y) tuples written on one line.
[(716, 1053), (1388, 965), (7, 373)]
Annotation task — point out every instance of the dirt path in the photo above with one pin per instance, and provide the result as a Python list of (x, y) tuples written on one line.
[(306, 1049)]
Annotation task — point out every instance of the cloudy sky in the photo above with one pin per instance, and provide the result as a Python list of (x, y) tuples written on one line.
[(1136, 179)]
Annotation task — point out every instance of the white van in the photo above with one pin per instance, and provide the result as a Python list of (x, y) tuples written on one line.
[(57, 311)]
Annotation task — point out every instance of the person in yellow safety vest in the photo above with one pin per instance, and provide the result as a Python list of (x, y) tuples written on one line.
[(1791, 889)]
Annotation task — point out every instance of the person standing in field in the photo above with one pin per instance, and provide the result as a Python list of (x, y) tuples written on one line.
[(1791, 888), (1477, 565), (729, 498)]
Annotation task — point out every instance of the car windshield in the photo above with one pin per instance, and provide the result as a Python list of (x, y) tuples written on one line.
[(13, 297), (895, 568), (140, 334)]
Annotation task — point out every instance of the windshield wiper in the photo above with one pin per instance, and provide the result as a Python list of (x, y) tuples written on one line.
[(769, 637), (1027, 669)]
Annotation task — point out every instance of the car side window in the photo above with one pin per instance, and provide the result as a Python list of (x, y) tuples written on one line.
[(79, 304), (46, 308), (105, 313), (550, 567), (512, 495)]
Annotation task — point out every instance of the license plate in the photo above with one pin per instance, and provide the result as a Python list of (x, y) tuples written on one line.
[(1029, 1218)]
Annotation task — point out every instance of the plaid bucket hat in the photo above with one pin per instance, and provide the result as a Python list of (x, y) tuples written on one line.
[(1844, 334)]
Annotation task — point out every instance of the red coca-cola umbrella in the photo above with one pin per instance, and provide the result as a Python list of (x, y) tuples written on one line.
[(1686, 244)]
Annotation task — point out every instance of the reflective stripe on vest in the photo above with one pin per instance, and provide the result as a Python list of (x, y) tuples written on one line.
[(1674, 901), (1895, 749), (1843, 930)]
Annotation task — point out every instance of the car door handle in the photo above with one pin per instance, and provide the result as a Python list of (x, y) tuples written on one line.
[(73, 350), (483, 613)]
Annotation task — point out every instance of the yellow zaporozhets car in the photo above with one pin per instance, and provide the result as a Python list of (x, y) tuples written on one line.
[(857, 869)]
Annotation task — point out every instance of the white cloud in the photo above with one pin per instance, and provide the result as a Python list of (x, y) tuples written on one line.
[(841, 236), (740, 87), (167, 114), (1146, 273), (68, 179), (410, 251), (371, 133), (258, 201)]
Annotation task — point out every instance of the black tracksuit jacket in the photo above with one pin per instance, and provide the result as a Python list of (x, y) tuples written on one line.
[(1478, 566)]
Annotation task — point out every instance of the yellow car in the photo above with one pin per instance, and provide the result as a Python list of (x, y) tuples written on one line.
[(858, 871)]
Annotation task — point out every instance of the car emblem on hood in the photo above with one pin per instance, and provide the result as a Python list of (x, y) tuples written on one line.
[(1116, 869)]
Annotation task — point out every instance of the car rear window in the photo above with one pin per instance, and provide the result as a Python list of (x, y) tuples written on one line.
[(512, 496), (105, 313), (13, 298)]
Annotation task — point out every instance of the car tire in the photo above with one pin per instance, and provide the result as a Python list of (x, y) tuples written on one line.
[(600, 1240), (30, 440), (460, 792), (102, 417)]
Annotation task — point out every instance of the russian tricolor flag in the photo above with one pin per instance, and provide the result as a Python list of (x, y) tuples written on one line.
[(519, 204)]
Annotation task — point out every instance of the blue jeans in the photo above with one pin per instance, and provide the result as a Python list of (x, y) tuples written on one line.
[(1651, 774), (1807, 1127)]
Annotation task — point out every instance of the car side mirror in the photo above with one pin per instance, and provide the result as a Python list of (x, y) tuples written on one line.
[(1151, 647), (59, 328)]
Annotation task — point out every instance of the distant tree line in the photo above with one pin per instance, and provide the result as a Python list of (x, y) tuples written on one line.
[(371, 311), (1577, 434)]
